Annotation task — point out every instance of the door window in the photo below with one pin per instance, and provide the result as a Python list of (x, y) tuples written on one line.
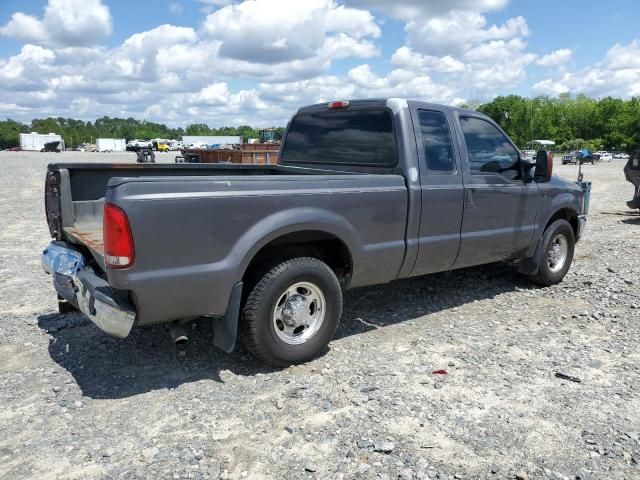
[(436, 141), (488, 149)]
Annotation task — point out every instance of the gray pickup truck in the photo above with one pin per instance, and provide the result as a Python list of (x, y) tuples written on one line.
[(366, 192)]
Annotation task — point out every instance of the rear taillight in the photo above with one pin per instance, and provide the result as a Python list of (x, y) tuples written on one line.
[(118, 241)]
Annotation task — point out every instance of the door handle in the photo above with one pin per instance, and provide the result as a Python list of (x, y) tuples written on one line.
[(468, 200)]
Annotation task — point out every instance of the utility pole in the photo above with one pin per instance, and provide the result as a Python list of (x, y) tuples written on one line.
[(531, 119)]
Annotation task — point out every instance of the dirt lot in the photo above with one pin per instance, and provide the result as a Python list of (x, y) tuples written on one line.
[(76, 403)]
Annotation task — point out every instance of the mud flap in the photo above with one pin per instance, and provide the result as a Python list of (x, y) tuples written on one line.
[(225, 330), (531, 265)]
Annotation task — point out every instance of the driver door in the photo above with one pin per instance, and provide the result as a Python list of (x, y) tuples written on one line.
[(499, 211)]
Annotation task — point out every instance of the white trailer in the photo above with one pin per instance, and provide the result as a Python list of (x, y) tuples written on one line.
[(35, 141), (111, 144), (188, 140)]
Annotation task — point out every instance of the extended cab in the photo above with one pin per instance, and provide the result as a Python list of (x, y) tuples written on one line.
[(366, 192)]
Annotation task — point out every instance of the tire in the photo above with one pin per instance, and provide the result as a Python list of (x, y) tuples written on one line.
[(558, 241), (292, 312)]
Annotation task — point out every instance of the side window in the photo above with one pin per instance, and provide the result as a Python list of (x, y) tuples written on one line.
[(488, 149), (436, 139)]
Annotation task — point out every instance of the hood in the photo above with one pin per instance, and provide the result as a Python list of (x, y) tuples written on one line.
[(560, 182)]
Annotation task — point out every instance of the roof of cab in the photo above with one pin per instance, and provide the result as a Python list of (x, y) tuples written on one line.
[(384, 102)]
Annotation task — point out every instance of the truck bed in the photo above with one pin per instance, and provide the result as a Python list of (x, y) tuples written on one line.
[(75, 192)]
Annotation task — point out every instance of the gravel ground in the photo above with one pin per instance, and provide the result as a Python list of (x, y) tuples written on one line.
[(77, 403)]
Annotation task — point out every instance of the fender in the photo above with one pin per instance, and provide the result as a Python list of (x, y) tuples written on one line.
[(560, 201), (292, 221), (278, 224), (531, 265)]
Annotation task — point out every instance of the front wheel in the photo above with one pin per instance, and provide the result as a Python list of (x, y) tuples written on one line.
[(558, 244), (292, 313)]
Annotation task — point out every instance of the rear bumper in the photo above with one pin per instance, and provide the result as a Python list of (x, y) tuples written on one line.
[(78, 284)]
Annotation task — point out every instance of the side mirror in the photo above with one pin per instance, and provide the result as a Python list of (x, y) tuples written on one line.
[(544, 166)]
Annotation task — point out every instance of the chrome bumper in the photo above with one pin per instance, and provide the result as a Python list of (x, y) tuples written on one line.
[(78, 284), (582, 223)]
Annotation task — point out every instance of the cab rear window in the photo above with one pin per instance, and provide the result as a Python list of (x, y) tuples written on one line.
[(356, 137)]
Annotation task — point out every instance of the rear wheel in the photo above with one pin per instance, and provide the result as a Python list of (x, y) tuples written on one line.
[(292, 312), (558, 243)]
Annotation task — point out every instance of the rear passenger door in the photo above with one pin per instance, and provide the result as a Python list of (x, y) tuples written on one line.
[(499, 207), (441, 190)]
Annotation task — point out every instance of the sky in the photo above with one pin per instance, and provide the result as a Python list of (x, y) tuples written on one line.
[(225, 62)]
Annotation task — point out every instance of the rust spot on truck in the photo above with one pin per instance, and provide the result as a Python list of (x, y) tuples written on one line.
[(92, 240), (132, 166)]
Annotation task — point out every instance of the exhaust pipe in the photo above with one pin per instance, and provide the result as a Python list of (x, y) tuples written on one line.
[(178, 333)]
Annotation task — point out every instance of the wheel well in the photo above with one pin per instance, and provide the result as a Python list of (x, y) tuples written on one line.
[(308, 243), (565, 214)]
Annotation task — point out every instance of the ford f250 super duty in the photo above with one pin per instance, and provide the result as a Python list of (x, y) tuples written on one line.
[(366, 192)]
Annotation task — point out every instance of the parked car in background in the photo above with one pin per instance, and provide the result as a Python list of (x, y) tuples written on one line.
[(603, 156), (199, 145), (632, 174), (529, 155), (135, 145), (621, 156), (570, 158), (582, 156), (160, 145), (175, 145), (585, 156)]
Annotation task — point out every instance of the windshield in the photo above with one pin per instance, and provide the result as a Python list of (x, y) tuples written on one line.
[(356, 137)]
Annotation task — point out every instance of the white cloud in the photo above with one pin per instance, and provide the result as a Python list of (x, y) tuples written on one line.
[(555, 58), (357, 23), (551, 87), (406, 58), (214, 94), (142, 53), (458, 31), (27, 70), (497, 65), (65, 23), (411, 9), (623, 56), (617, 75), (283, 31)]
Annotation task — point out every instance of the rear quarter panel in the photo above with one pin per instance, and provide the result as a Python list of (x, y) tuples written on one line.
[(194, 237)]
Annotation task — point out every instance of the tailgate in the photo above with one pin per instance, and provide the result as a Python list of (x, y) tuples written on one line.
[(74, 212)]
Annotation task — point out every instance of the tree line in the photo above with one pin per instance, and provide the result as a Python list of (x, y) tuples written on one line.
[(572, 122), (76, 132)]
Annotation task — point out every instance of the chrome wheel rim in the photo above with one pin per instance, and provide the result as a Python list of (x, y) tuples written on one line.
[(299, 313), (557, 253)]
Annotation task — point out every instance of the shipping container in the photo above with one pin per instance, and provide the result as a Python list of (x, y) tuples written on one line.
[(262, 153)]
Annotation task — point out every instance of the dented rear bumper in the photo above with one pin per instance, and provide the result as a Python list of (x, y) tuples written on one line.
[(79, 285)]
